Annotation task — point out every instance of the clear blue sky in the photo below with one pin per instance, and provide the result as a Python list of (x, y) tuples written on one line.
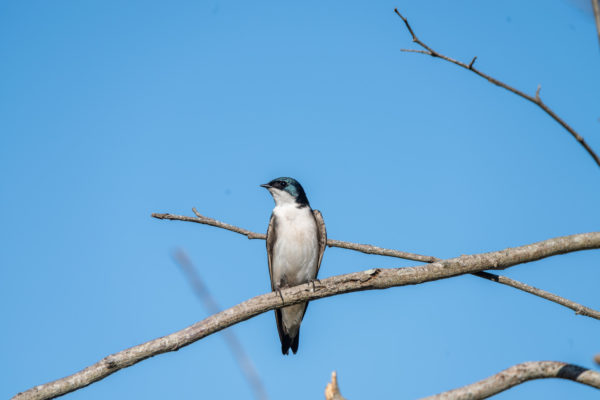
[(110, 111)]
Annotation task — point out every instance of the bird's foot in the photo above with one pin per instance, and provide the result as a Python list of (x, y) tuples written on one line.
[(280, 295), (312, 281)]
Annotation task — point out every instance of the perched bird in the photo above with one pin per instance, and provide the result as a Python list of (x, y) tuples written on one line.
[(296, 240)]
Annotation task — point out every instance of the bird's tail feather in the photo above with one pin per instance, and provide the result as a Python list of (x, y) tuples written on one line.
[(287, 341), (294, 343)]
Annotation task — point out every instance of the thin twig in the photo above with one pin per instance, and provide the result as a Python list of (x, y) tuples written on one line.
[(357, 281), (369, 249), (578, 308), (472, 62), (231, 339), (519, 374), (534, 99)]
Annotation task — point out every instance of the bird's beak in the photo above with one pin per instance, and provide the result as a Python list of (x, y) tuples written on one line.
[(265, 185)]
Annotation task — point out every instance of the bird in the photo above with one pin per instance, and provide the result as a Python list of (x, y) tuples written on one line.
[(296, 240)]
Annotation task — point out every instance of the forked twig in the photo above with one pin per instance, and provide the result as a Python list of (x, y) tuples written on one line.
[(534, 99)]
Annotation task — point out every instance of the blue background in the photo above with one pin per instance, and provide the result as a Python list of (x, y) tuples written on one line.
[(110, 111)]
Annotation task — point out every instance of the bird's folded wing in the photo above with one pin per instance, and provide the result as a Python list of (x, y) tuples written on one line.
[(321, 235), (270, 243)]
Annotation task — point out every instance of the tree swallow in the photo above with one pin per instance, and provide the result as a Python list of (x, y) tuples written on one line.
[(296, 240)]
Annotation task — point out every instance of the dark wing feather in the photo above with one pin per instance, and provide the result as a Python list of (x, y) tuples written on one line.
[(321, 235), (271, 237)]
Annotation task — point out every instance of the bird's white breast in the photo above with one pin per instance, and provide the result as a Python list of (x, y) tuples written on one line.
[(296, 248)]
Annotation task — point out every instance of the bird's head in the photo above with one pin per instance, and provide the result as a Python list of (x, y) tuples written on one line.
[(286, 190)]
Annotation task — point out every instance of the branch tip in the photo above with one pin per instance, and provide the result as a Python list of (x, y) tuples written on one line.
[(400, 15), (332, 390)]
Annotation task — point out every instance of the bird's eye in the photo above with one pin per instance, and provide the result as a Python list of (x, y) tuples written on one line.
[(282, 184)]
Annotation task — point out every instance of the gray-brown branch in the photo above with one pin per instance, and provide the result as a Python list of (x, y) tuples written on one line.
[(365, 280), (370, 249), (578, 308), (536, 99), (518, 374)]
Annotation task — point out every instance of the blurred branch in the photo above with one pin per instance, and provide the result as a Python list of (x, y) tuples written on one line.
[(332, 390), (596, 7), (519, 374), (597, 358), (369, 249), (231, 339), (357, 281), (536, 99)]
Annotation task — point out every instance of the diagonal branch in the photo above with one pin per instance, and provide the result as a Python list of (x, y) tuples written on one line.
[(357, 281), (519, 374), (578, 308), (537, 100), (369, 249)]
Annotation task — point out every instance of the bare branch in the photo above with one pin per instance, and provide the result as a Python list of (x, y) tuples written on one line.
[(209, 221), (578, 308), (534, 99), (416, 51), (369, 249), (332, 391), (357, 281), (231, 339), (597, 358), (519, 374), (363, 248)]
